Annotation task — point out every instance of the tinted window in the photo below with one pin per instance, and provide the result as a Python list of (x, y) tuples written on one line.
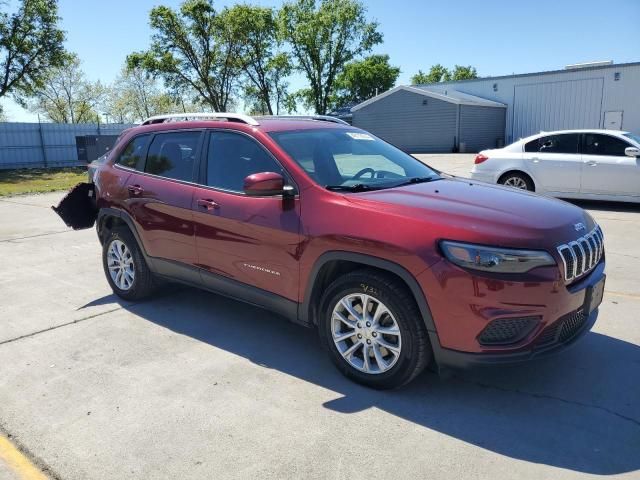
[(566, 143), (232, 157), (132, 155), (172, 155), (596, 144)]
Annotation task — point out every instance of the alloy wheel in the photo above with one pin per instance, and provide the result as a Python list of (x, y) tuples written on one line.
[(366, 333), (120, 264), (516, 182)]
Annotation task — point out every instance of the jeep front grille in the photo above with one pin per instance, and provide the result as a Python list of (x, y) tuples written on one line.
[(581, 256)]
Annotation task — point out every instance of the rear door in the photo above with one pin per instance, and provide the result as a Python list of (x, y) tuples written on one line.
[(160, 195), (555, 161), (606, 170), (254, 240)]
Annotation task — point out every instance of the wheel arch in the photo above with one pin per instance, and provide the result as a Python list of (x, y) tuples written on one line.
[(333, 263), (109, 218), (519, 171)]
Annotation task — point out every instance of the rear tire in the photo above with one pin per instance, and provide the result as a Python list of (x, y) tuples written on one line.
[(386, 347), (125, 267), (517, 180)]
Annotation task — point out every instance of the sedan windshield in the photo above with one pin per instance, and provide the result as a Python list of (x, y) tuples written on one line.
[(635, 138), (351, 160)]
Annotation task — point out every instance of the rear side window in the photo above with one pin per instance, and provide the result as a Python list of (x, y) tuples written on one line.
[(173, 155), (565, 143), (133, 155), (596, 144)]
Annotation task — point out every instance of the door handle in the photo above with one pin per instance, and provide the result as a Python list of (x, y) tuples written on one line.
[(135, 189), (535, 160), (591, 163), (208, 204)]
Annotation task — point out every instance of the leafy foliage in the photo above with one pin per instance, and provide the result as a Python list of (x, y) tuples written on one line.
[(135, 95), (66, 96), (261, 58), (31, 44), (361, 80), (438, 73), (192, 49), (324, 36)]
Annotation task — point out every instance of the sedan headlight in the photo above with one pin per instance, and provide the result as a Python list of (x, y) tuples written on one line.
[(490, 259)]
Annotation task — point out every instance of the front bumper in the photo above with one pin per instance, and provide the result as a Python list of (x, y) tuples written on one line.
[(465, 360), (463, 305)]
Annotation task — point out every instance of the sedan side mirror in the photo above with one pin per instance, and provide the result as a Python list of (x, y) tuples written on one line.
[(266, 184), (632, 152)]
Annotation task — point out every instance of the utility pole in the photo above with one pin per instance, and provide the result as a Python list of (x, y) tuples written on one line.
[(44, 150)]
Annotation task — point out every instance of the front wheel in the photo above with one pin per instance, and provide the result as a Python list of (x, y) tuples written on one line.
[(373, 330)]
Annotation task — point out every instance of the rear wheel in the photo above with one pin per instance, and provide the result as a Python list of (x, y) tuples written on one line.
[(517, 180), (373, 330), (125, 267)]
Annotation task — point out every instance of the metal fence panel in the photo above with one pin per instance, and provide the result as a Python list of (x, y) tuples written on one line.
[(35, 145)]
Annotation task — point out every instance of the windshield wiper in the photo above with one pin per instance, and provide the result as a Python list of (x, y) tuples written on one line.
[(413, 180), (358, 187)]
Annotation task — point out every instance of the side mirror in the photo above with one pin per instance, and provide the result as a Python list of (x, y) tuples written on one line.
[(265, 184), (632, 152)]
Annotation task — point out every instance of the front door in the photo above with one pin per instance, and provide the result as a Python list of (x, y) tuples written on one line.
[(606, 170), (160, 199), (254, 240), (554, 161)]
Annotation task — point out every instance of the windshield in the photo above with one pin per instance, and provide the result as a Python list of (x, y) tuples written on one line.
[(351, 159), (635, 138)]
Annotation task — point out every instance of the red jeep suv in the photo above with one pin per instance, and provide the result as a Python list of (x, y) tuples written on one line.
[(396, 264)]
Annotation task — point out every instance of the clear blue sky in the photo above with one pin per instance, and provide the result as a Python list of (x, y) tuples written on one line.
[(497, 37)]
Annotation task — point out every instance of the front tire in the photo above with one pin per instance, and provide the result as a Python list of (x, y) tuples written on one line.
[(125, 266), (373, 330)]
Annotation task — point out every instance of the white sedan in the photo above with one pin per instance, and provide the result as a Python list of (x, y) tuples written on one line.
[(585, 164)]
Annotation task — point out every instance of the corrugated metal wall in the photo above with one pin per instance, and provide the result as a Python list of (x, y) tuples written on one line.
[(481, 127), (30, 145), (405, 120), (556, 106), (617, 95)]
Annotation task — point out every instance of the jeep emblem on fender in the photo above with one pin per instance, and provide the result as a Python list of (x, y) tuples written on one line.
[(579, 226)]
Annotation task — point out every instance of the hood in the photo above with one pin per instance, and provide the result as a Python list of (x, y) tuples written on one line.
[(465, 210)]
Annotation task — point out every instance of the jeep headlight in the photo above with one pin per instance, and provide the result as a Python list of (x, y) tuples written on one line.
[(492, 259)]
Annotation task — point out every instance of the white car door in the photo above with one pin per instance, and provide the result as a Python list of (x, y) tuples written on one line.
[(555, 162), (606, 170)]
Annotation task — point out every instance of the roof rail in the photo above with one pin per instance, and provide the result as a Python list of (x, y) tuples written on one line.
[(183, 117), (320, 118)]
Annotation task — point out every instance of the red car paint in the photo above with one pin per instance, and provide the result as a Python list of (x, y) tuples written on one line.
[(273, 243)]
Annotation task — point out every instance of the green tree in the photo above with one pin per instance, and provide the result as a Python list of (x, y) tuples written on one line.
[(66, 96), (324, 36), (192, 49), (135, 95), (464, 72), (31, 44), (261, 58), (437, 73), (361, 80)]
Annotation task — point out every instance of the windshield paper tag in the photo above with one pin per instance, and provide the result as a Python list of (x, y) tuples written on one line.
[(360, 136)]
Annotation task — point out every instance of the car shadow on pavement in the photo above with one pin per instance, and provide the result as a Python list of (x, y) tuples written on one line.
[(579, 410), (602, 206)]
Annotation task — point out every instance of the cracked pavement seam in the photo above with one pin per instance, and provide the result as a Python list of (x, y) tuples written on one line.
[(55, 327), (37, 461), (551, 397)]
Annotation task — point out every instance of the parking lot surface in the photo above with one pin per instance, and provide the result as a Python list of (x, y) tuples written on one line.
[(192, 385)]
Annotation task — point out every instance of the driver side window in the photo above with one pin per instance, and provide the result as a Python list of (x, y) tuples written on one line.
[(232, 157)]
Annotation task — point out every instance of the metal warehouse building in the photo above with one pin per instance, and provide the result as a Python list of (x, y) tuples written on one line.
[(486, 112)]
